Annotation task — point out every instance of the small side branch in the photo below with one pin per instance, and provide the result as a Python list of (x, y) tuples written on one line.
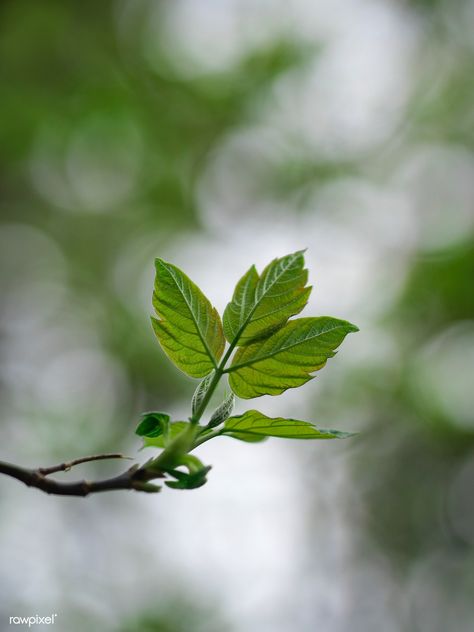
[(136, 477), (64, 467)]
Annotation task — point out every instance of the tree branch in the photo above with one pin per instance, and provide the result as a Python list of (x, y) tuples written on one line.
[(64, 467), (136, 478)]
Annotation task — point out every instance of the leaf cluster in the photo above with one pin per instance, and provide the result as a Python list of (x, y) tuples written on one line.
[(258, 345)]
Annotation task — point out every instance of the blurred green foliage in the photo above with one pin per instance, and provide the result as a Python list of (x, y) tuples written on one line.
[(178, 616), (80, 106)]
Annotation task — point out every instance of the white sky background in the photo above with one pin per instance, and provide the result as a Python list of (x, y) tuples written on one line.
[(241, 541)]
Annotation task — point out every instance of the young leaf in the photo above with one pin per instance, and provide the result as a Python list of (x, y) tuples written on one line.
[(261, 305), (288, 357), (200, 392), (175, 449), (189, 481), (222, 412), (256, 424), (158, 441), (189, 328), (196, 478), (153, 425)]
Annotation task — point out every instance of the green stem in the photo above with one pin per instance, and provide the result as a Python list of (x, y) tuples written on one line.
[(205, 437), (194, 420), (213, 385)]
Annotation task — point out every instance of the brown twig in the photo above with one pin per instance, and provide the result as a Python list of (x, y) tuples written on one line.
[(136, 478), (64, 467)]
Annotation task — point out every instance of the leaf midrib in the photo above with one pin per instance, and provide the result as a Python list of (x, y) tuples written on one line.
[(307, 431), (256, 304), (234, 367)]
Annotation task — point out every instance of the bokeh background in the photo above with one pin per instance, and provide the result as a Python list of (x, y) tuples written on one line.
[(217, 133)]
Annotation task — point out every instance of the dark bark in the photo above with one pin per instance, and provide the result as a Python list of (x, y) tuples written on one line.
[(136, 478)]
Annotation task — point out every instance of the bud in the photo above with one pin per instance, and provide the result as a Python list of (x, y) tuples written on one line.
[(223, 412), (200, 392)]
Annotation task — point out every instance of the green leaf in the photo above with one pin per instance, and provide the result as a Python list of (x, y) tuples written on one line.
[(222, 412), (189, 328), (288, 357), (261, 305), (193, 480), (255, 424), (244, 436), (153, 424), (158, 441)]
